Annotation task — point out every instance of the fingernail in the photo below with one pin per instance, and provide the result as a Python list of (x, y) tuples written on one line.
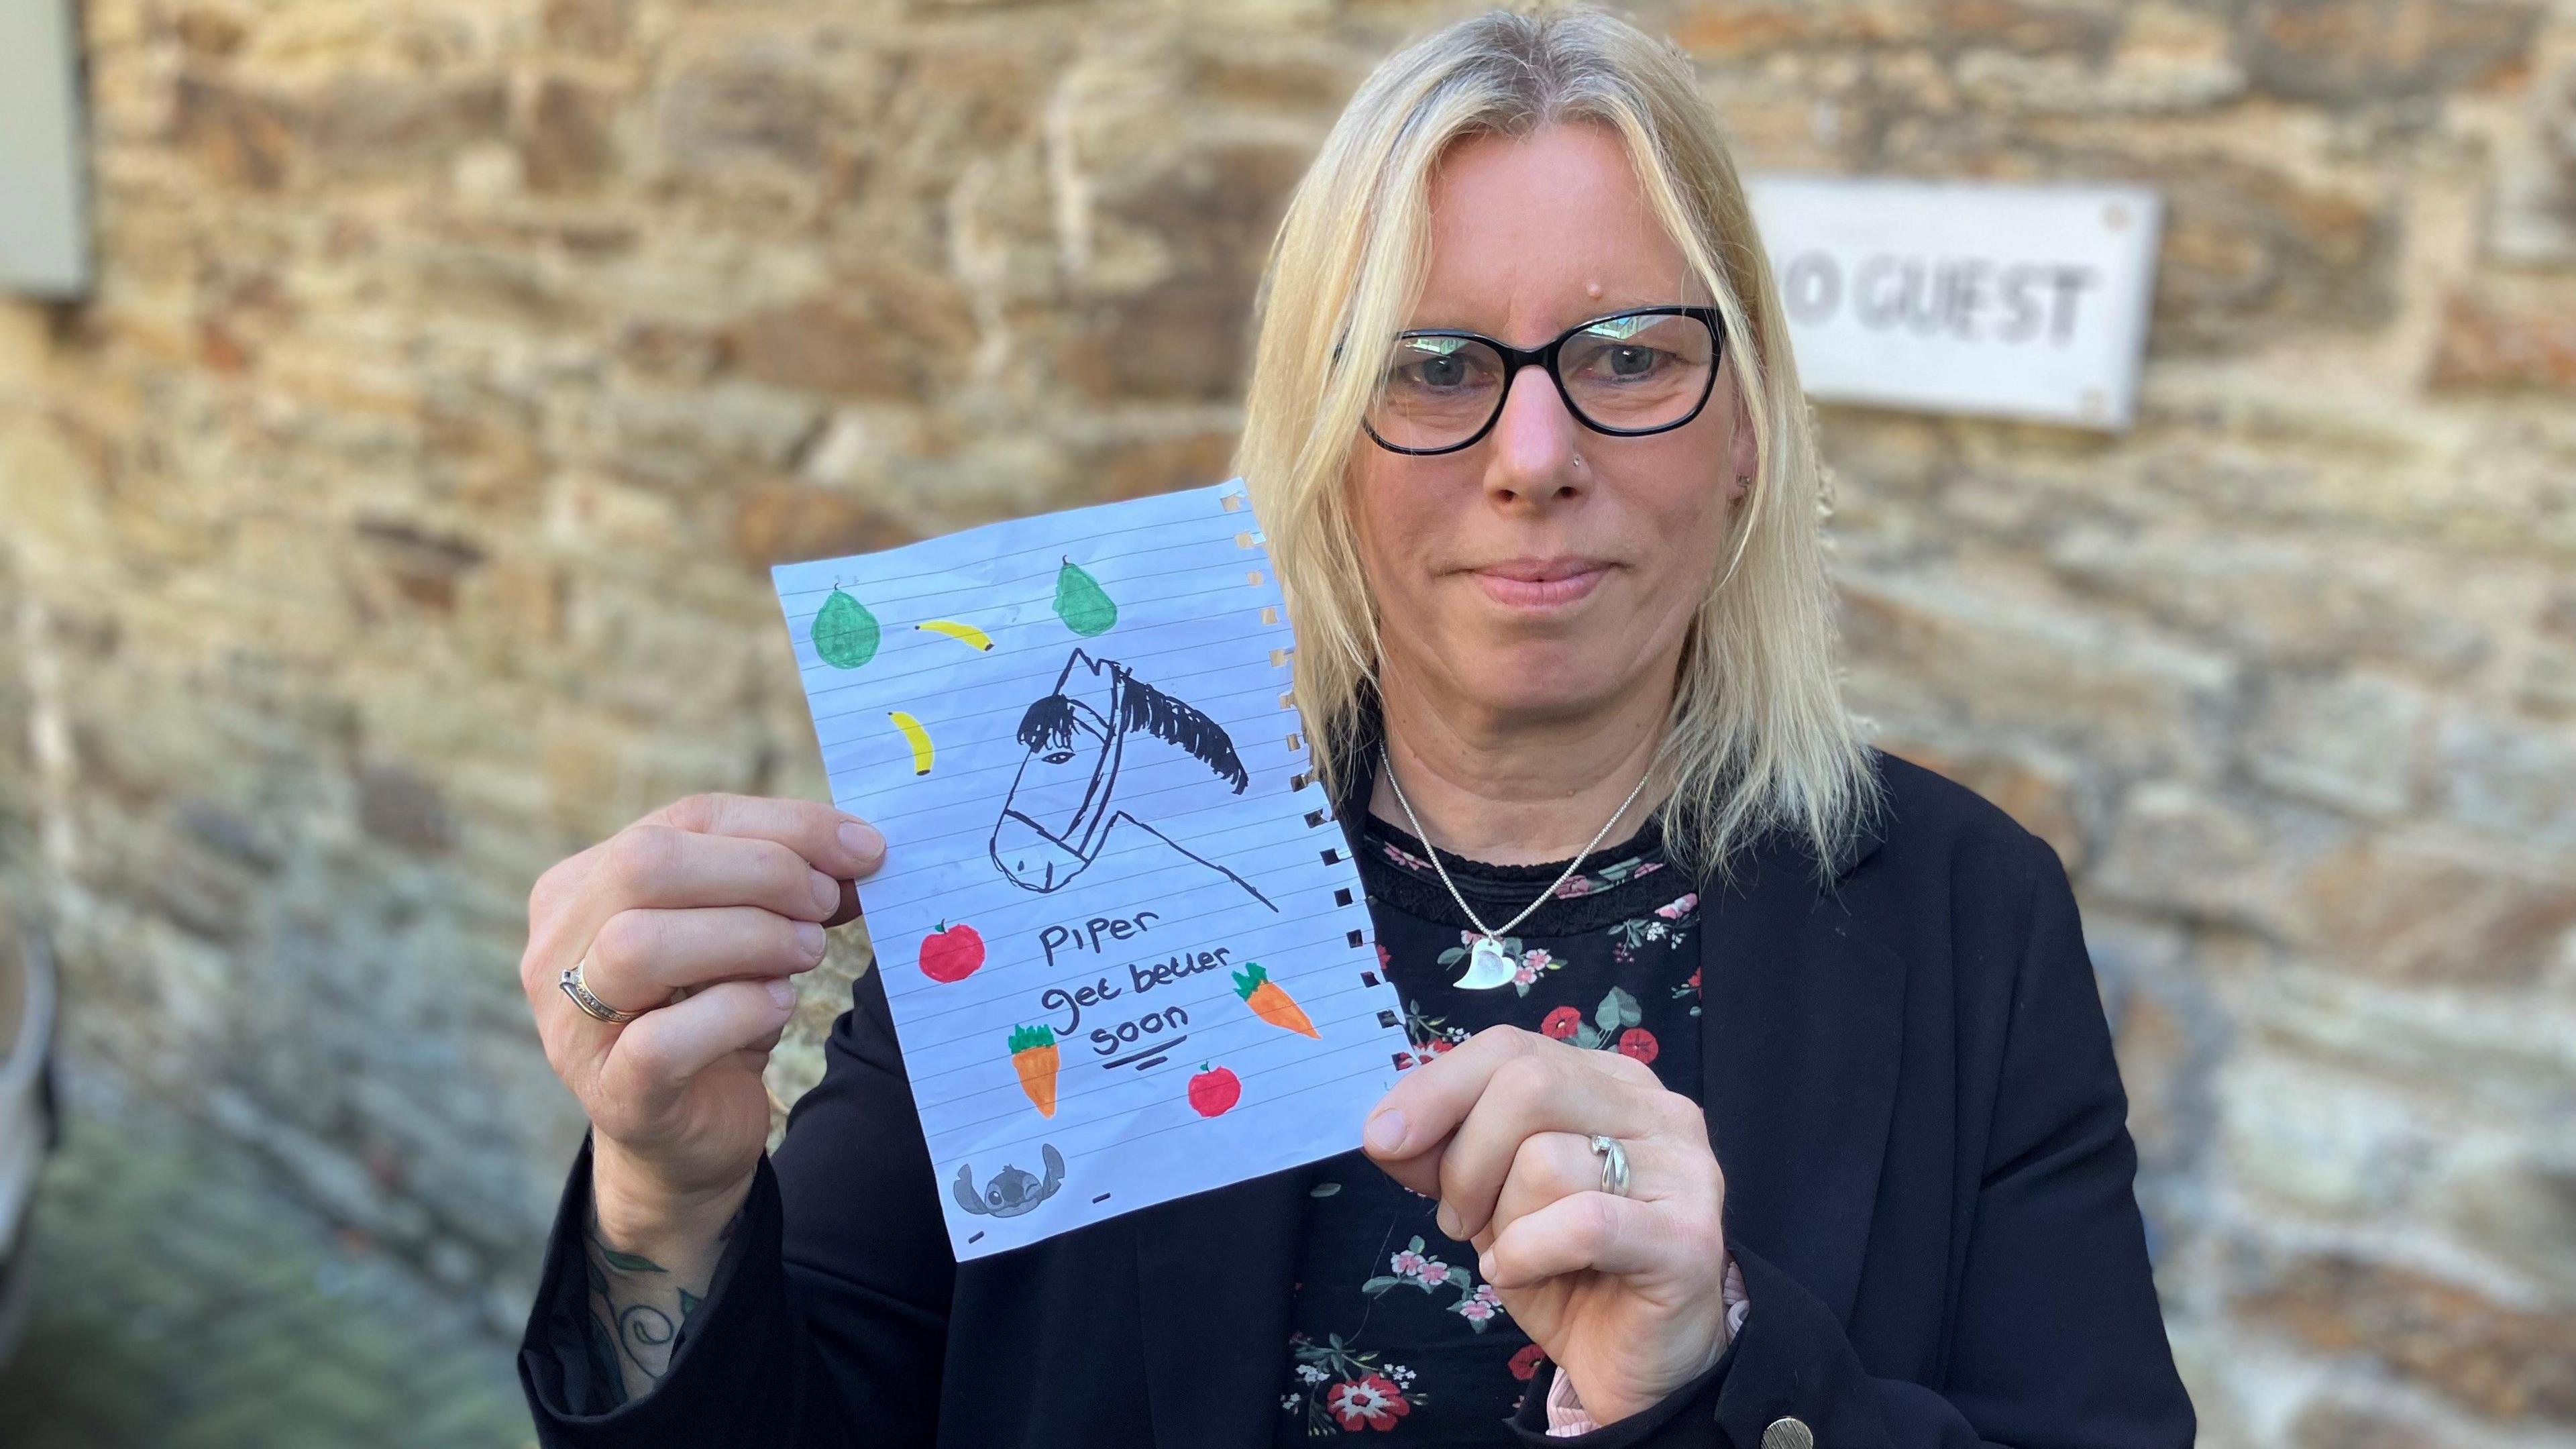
[(809, 939), (1485, 1264), (782, 992), (862, 841), (1448, 1223), (827, 893), (1385, 1131)]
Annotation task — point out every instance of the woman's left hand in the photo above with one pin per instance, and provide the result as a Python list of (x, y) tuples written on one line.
[(1625, 1294)]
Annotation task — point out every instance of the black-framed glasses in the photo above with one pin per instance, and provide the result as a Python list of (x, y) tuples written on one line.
[(1647, 370)]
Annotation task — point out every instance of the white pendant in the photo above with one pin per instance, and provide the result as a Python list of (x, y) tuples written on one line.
[(1488, 966)]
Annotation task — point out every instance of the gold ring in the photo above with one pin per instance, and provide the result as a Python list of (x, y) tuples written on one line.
[(591, 1006)]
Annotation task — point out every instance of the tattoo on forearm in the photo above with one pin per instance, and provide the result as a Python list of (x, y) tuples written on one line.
[(637, 1309)]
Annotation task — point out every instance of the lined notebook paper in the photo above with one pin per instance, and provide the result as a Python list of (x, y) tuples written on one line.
[(1127, 955)]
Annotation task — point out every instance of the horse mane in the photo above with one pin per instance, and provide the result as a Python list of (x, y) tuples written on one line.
[(1143, 707), (1048, 724)]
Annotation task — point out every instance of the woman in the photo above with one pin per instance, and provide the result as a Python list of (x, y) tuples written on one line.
[(1766, 1097)]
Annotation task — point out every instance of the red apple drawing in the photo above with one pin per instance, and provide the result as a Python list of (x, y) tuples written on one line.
[(1211, 1092), (951, 953)]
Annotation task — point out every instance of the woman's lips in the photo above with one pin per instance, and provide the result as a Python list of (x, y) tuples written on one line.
[(1540, 583)]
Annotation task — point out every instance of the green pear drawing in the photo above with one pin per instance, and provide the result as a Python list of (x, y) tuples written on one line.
[(845, 633), (1080, 603)]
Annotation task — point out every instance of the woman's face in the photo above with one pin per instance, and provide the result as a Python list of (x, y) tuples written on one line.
[(1548, 571)]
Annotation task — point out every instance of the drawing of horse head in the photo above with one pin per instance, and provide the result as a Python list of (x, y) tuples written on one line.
[(1065, 799)]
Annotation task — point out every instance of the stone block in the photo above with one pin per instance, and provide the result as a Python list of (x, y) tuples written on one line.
[(2246, 252), (2506, 1363), (390, 126), (1133, 468), (761, 102), (2326, 1141), (2531, 199), (2279, 596), (2548, 686), (2516, 1202), (2328, 1423), (2515, 779), (2492, 347), (1184, 336), (594, 27), (209, 32), (403, 809), (2354, 742), (689, 440), (2367, 52), (779, 522), (237, 136), (569, 144), (2180, 848), (2073, 677), (2432, 908), (889, 334)]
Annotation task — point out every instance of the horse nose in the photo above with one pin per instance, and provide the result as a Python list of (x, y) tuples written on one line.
[(1030, 857)]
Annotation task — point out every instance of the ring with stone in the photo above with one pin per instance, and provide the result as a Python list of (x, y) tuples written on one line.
[(1614, 1165), (591, 1006)]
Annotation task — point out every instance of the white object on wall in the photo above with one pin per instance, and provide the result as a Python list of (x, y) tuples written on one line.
[(2007, 300), (44, 213)]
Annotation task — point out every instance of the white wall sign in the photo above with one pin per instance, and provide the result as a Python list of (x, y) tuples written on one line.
[(1965, 297), (44, 223)]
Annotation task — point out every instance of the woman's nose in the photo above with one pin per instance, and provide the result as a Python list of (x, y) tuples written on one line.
[(1534, 441)]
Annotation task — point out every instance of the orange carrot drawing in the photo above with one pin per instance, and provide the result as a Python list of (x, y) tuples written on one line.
[(1270, 1003), (1033, 1053)]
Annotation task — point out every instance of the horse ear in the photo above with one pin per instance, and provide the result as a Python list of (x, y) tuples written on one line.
[(1092, 682)]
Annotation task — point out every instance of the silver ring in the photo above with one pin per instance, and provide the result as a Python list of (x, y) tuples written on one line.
[(591, 1006), (1614, 1165)]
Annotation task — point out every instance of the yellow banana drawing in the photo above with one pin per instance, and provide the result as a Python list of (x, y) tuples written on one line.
[(962, 633), (919, 737)]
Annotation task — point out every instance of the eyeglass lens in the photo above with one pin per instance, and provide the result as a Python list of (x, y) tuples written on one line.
[(1630, 373)]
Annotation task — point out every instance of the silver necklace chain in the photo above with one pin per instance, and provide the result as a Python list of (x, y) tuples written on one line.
[(1496, 936)]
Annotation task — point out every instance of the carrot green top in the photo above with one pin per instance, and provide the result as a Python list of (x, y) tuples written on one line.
[(1250, 979), (1027, 1038)]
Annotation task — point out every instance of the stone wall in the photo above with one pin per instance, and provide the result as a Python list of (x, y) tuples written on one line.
[(394, 520)]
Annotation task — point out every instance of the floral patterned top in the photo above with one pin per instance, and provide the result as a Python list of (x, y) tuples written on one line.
[(1393, 1333)]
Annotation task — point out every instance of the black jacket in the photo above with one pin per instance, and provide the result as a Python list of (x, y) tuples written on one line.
[(1909, 1085)]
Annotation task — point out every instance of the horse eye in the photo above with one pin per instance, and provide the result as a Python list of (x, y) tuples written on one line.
[(1058, 757)]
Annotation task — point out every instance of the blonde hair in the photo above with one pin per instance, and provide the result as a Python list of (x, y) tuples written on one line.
[(1760, 739)]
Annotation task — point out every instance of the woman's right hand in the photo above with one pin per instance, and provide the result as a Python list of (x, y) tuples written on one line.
[(697, 916)]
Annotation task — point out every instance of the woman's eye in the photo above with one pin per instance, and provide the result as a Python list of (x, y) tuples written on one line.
[(1631, 361), (1435, 374), (1058, 757)]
